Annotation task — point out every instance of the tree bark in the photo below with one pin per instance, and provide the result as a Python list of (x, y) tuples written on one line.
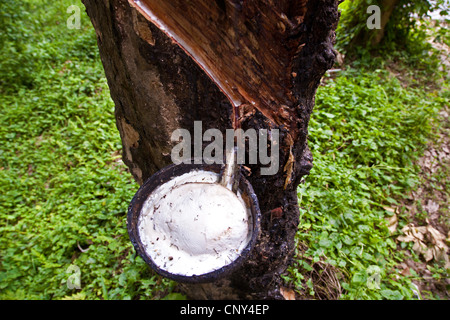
[(387, 7), (265, 57)]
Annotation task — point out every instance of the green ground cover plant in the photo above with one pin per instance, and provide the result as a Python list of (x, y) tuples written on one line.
[(365, 134), (65, 192)]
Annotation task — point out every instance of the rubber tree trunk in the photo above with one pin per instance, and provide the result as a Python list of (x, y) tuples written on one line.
[(266, 57), (387, 8)]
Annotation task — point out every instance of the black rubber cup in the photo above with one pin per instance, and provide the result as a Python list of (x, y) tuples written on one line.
[(165, 175)]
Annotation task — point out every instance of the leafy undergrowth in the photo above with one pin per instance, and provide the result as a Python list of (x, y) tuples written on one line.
[(366, 133), (65, 191)]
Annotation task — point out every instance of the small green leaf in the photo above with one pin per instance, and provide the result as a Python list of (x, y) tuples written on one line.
[(391, 294), (325, 243), (174, 296), (359, 278)]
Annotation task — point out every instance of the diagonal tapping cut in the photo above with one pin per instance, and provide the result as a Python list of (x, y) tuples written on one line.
[(246, 49)]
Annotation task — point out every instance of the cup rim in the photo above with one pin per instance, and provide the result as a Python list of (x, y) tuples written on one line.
[(166, 174)]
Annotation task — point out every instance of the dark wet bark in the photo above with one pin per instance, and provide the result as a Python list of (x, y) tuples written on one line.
[(285, 47)]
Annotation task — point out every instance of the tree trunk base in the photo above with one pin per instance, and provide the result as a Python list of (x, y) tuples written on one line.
[(157, 87)]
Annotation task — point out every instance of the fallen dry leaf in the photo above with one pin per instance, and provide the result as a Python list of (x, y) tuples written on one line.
[(392, 223), (431, 207), (405, 272), (412, 233), (421, 248), (389, 209), (428, 242), (437, 238), (288, 294)]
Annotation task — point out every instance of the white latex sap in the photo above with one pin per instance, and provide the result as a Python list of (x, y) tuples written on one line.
[(191, 225)]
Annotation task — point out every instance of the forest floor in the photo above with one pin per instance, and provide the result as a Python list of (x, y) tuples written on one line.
[(428, 212), (427, 208)]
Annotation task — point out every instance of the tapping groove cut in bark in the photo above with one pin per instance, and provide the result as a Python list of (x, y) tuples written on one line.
[(245, 47)]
